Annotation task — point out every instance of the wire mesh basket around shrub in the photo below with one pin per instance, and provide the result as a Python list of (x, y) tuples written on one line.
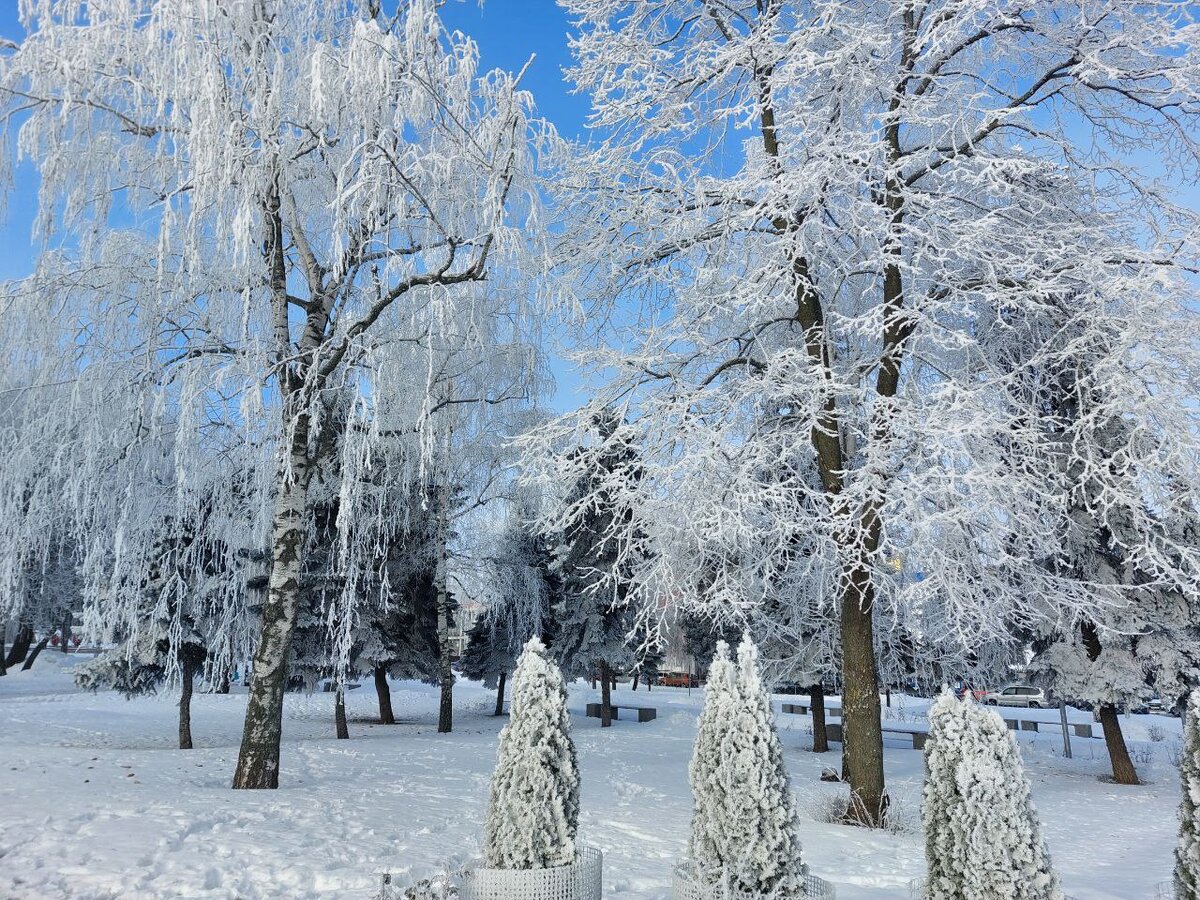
[(916, 890), (686, 885), (581, 880)]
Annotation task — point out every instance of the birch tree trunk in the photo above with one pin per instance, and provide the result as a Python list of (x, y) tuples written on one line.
[(445, 670), (258, 759)]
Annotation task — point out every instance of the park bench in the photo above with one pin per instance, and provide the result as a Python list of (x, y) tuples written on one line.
[(803, 709), (644, 713), (833, 731)]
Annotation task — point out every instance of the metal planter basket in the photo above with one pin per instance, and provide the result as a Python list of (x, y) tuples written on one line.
[(686, 885), (581, 880), (916, 890)]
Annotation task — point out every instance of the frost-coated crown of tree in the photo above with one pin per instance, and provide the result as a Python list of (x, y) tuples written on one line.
[(807, 218), (1187, 854), (248, 206), (533, 811), (982, 835), (744, 826)]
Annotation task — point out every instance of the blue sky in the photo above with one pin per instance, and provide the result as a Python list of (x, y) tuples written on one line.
[(508, 33)]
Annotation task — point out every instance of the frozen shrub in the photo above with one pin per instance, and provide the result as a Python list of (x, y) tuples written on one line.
[(533, 813), (1187, 853), (744, 827), (982, 835)]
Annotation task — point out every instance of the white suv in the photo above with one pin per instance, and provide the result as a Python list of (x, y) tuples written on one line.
[(1018, 695)]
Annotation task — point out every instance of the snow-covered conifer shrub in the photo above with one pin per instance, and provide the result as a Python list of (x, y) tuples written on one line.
[(744, 826), (720, 692), (1187, 853), (533, 813), (982, 835)]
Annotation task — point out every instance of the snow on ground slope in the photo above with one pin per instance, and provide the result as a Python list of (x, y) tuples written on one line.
[(97, 804)]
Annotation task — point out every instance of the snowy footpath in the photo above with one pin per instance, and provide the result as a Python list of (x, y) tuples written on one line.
[(97, 804)]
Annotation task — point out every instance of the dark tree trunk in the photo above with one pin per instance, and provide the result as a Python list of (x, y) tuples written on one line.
[(500, 694), (593, 680), (862, 730), (384, 691), (185, 703), (816, 699), (223, 686), (339, 714), (605, 696), (66, 632), (636, 676), (258, 759), (41, 645), (20, 647), (1122, 765)]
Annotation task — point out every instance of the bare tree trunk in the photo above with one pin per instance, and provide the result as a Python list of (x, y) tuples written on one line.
[(636, 676), (384, 691), (605, 696), (445, 670), (41, 645), (1122, 764), (862, 730), (500, 694), (258, 759), (66, 631), (339, 713), (816, 700), (223, 685), (20, 647), (185, 703)]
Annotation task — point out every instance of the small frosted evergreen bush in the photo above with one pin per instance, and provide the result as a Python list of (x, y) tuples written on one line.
[(533, 812)]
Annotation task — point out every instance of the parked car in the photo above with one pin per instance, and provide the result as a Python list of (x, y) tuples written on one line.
[(1018, 695), (977, 694), (676, 679)]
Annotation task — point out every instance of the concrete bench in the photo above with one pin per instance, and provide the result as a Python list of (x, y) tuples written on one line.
[(833, 730), (1080, 729), (803, 709), (644, 713)]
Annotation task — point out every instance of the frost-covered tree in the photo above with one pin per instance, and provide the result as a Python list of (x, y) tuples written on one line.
[(813, 212), (533, 812), (982, 836), (1187, 853), (744, 826), (317, 189), (593, 618)]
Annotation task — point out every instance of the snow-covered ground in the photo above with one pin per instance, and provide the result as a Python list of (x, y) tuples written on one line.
[(96, 803)]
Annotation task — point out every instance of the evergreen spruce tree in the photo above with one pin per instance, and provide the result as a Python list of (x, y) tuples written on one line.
[(533, 812), (982, 832), (592, 614), (1187, 854), (744, 829)]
